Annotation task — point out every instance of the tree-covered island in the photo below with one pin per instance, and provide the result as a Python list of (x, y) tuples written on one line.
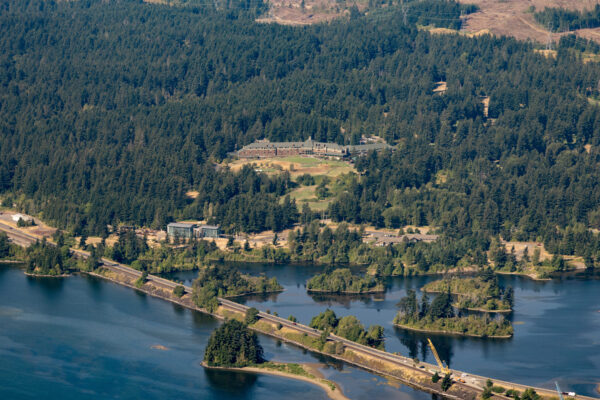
[(439, 316), (481, 293), (233, 345), (343, 281), (225, 281)]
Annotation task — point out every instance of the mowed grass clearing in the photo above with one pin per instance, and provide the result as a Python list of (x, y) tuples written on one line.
[(296, 166), (306, 194)]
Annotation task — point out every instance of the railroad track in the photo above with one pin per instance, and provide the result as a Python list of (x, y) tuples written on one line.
[(477, 382)]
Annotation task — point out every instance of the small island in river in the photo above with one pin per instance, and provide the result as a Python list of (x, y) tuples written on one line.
[(481, 293), (342, 281), (439, 317), (225, 281)]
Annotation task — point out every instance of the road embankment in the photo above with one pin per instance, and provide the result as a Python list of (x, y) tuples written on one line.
[(409, 374)]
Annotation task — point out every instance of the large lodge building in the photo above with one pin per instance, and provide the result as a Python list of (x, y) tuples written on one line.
[(265, 148)]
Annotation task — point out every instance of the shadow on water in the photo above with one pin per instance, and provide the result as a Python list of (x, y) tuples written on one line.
[(233, 384), (346, 299), (95, 285), (48, 286), (417, 345), (178, 309), (586, 274), (259, 298), (202, 320)]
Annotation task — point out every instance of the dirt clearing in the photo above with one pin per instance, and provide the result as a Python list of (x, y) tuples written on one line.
[(306, 12), (514, 18)]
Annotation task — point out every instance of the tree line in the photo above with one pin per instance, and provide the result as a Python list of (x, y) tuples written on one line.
[(559, 19)]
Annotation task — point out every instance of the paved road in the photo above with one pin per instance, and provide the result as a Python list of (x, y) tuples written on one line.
[(472, 381), (16, 236)]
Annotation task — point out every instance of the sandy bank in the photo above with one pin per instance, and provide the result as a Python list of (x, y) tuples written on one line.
[(318, 379), (46, 275)]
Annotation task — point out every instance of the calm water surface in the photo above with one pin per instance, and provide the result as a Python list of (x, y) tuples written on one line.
[(557, 326), (83, 338)]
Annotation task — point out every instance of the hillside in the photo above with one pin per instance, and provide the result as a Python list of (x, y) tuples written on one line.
[(112, 111), (515, 18)]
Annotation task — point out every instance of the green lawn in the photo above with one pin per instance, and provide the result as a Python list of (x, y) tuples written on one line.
[(308, 161), (306, 194)]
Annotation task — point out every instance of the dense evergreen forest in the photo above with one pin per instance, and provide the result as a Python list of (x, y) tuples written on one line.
[(110, 111), (233, 345)]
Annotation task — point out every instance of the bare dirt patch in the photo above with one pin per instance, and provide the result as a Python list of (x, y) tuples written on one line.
[(306, 12), (512, 18), (448, 31), (441, 87), (261, 239), (96, 240), (486, 105), (519, 249), (192, 194), (547, 53)]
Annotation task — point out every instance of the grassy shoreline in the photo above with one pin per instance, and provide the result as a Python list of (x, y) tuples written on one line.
[(447, 332), (47, 275), (350, 292)]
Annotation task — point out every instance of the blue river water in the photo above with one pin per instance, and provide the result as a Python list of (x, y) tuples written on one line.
[(84, 338), (556, 323)]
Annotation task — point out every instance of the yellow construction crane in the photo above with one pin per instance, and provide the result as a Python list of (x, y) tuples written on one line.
[(443, 368)]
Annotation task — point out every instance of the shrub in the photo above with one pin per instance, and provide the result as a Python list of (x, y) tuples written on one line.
[(487, 393), (446, 382), (251, 316), (141, 280), (179, 291)]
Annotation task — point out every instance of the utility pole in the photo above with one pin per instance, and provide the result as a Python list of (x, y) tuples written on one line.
[(405, 12), (549, 40)]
